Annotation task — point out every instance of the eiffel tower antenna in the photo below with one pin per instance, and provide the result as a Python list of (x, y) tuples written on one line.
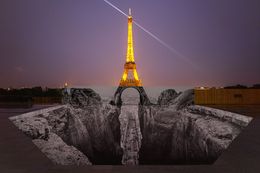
[(130, 14)]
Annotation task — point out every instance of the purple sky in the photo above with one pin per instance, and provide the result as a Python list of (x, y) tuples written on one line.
[(84, 42)]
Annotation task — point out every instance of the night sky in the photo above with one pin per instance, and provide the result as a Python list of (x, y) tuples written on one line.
[(84, 42)]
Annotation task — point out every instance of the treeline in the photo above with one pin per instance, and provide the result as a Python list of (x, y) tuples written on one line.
[(255, 86), (32, 92)]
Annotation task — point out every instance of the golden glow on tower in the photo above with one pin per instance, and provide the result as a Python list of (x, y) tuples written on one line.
[(130, 48), (130, 75), (135, 75)]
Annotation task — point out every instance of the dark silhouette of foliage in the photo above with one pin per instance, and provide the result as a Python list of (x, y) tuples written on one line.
[(256, 86), (236, 87), (32, 92)]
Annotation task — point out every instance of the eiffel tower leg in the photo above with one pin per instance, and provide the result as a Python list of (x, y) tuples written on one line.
[(144, 100), (117, 96)]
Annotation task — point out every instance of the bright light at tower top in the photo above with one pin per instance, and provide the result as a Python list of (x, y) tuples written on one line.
[(130, 12)]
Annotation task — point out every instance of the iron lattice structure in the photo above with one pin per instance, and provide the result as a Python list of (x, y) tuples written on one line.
[(130, 76)]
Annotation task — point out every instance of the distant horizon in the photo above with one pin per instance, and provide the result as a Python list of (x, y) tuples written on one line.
[(152, 91), (150, 86)]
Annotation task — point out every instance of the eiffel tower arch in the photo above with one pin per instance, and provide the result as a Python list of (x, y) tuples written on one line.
[(130, 77), (144, 100)]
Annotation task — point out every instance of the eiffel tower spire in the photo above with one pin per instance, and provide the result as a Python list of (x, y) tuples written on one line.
[(130, 75), (130, 48)]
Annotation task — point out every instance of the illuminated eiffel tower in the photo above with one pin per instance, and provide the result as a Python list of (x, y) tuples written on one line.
[(130, 76)]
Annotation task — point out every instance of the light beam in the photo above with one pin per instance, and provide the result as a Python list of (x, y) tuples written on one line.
[(171, 49), (109, 3)]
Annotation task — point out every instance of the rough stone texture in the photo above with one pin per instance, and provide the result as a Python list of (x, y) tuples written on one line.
[(83, 98), (61, 153), (183, 134), (167, 96), (91, 126), (34, 127), (131, 134), (101, 123), (237, 119), (86, 129), (183, 100), (83, 122)]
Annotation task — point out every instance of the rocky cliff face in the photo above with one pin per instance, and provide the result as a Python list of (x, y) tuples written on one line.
[(93, 127), (166, 97), (180, 133), (36, 126), (83, 122), (85, 130), (61, 153)]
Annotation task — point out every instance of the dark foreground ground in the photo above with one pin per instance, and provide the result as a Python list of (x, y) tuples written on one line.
[(19, 154)]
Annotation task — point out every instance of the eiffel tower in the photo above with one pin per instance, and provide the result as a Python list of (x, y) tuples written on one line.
[(130, 77)]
